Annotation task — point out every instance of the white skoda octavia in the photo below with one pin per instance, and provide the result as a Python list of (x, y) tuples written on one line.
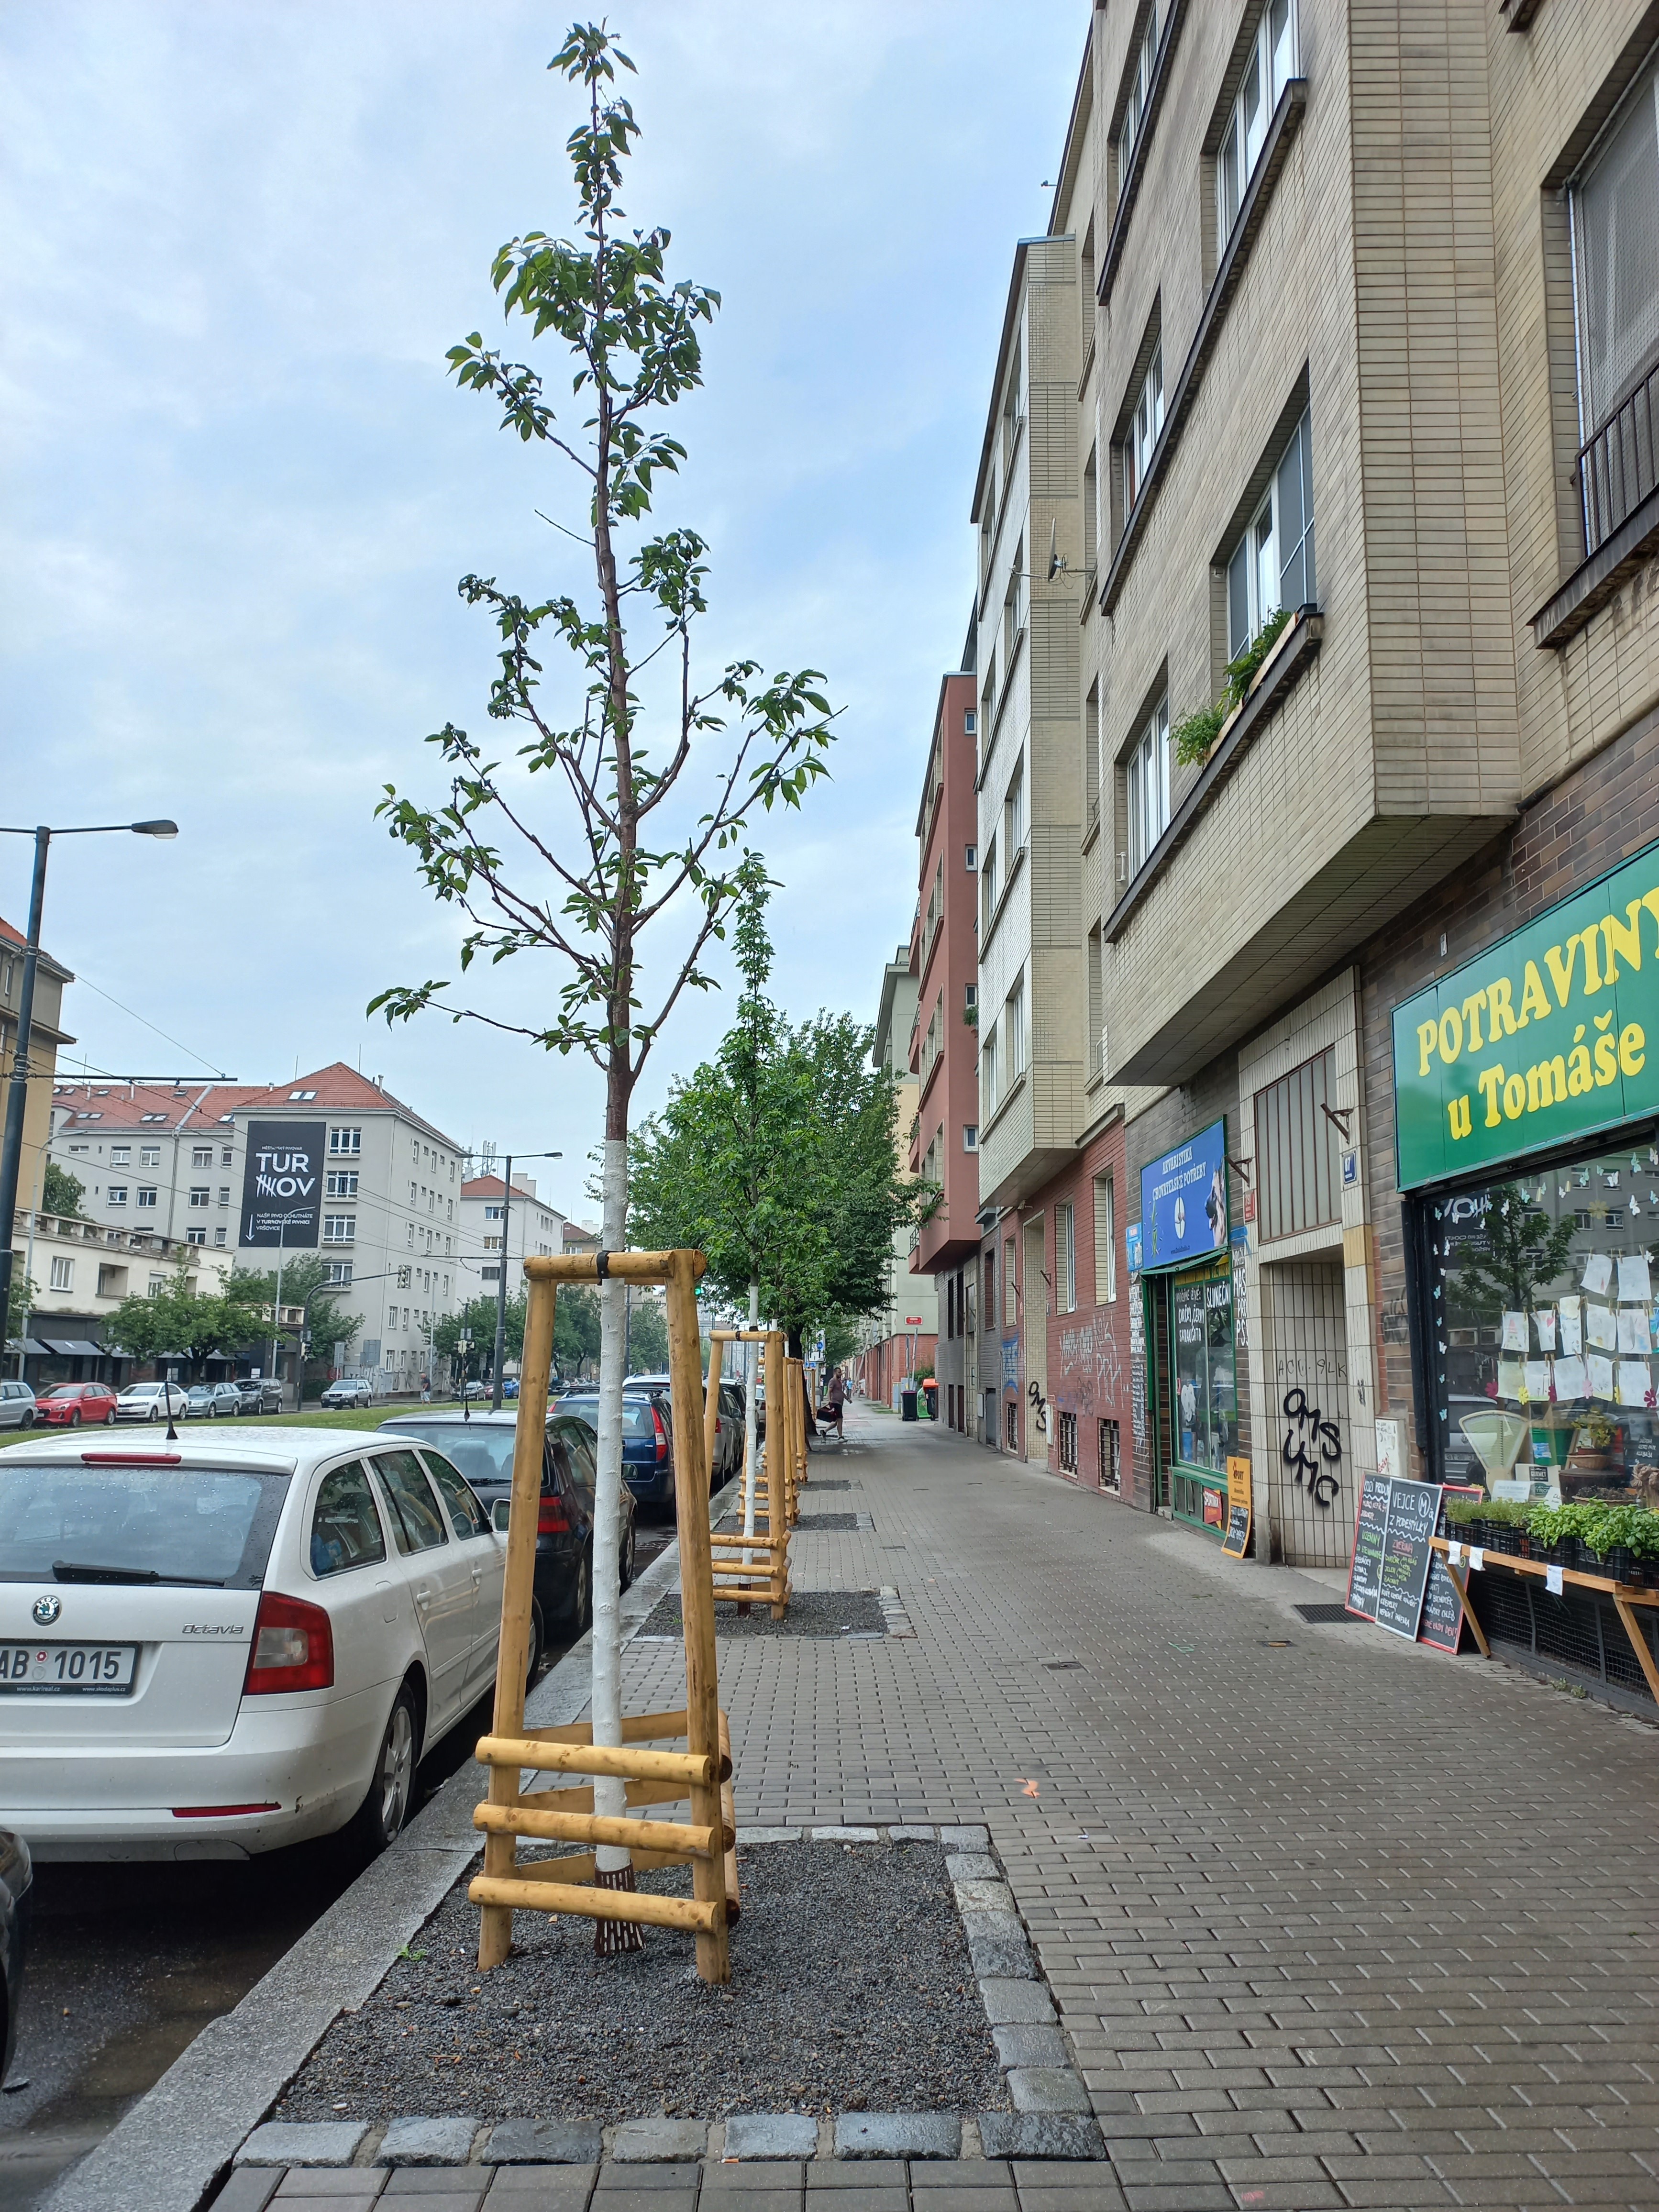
[(212, 1647)]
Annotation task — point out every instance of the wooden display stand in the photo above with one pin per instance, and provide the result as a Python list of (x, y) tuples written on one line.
[(701, 1771), (1624, 1596), (755, 1570)]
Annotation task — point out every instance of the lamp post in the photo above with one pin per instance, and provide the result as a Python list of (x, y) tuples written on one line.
[(11, 1149), (501, 1286)]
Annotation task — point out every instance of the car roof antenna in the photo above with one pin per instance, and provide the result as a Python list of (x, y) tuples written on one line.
[(173, 1433)]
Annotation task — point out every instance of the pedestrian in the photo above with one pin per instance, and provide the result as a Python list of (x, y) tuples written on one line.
[(835, 1401), (426, 1389)]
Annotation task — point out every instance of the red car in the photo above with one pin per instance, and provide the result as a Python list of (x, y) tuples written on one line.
[(70, 1404)]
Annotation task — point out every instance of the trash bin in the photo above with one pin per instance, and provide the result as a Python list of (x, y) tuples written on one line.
[(907, 1405), (930, 1392)]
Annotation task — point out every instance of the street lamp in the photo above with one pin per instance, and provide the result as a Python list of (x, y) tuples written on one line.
[(501, 1288), (11, 1150)]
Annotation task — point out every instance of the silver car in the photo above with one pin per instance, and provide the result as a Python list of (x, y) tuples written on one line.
[(16, 1405)]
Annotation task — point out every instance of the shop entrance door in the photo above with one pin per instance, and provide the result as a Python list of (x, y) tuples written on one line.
[(1311, 1460)]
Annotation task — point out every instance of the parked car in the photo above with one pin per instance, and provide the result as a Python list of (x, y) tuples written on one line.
[(509, 1386), (472, 1392), (16, 1405), (647, 1437), (355, 1390), (151, 1401), (16, 1882), (215, 1647), (72, 1405), (260, 1394), (208, 1401), (481, 1447), (729, 1429)]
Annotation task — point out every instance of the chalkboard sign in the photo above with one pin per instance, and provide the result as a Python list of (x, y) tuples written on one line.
[(1371, 1522), (1442, 1624), (1414, 1508), (1239, 1531)]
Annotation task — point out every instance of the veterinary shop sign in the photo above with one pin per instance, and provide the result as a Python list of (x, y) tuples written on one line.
[(282, 1183), (1543, 1038), (1183, 1201)]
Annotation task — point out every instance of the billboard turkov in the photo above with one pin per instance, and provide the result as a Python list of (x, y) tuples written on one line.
[(281, 1184)]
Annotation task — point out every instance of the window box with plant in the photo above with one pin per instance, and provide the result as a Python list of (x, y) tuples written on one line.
[(1195, 738)]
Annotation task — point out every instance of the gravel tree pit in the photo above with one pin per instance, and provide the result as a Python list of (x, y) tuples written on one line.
[(852, 1990), (812, 1613)]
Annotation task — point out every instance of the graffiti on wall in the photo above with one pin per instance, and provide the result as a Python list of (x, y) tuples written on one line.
[(1312, 1448), (1039, 1405), (1137, 1362), (1090, 1365)]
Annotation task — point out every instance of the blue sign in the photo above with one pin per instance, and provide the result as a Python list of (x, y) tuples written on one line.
[(1183, 1200), (1132, 1249), (1011, 1363)]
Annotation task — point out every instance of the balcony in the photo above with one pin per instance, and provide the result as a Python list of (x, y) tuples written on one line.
[(1616, 470)]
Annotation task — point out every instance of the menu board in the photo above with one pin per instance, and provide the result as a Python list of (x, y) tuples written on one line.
[(1414, 1508), (1442, 1624), (1237, 1538), (1371, 1522)]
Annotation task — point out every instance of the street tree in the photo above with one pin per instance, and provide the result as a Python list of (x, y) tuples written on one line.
[(476, 1319), (576, 1331), (306, 1283), (624, 810), (195, 1327), (61, 1193)]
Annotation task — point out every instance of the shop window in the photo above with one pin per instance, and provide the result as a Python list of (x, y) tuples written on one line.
[(1206, 1405), (1111, 1476), (1615, 229), (1066, 1271), (1269, 68), (1272, 566), (1299, 1179), (1148, 781), (1066, 1426), (1545, 1385)]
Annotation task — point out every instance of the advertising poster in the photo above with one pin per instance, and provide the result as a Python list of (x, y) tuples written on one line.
[(1183, 1201), (282, 1183)]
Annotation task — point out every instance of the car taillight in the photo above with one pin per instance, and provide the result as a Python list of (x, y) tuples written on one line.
[(293, 1647), (662, 1434), (552, 1520)]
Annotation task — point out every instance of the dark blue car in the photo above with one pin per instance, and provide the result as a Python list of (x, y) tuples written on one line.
[(648, 1440)]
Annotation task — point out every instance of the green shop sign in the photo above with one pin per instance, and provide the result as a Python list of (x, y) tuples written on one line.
[(1542, 1039)]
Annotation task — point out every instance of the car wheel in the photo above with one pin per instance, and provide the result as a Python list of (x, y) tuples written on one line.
[(154, 1415), (581, 1610), (109, 1418), (27, 1421), (386, 1805), (537, 1645), (625, 1568), (75, 1420)]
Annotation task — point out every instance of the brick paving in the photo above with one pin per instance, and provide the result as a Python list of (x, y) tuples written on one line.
[(1331, 1920)]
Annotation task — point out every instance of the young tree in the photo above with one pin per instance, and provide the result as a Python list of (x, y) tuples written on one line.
[(61, 1193), (628, 846), (575, 1332), (477, 1318), (194, 1327), (305, 1283)]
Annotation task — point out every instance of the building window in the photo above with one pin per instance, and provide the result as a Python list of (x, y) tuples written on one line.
[(79, 1151), (339, 1271), (157, 1285), (1092, 756), (1066, 1426), (1013, 813), (1013, 606), (226, 1157), (148, 1195), (492, 1213), (339, 1228), (224, 1193), (969, 722), (116, 1194), (492, 1244), (1110, 1466), (490, 1274), (1140, 90), (345, 1143), (1268, 68), (1066, 1272), (1009, 1292), (1105, 1240), (1298, 1176), (120, 1156), (199, 1194), (1094, 978), (202, 1156), (1013, 1020), (988, 1073), (340, 1183), (1148, 781), (220, 1234), (970, 858), (149, 1155), (1092, 495), (1144, 424), (970, 1136), (63, 1274), (988, 884), (1615, 229), (1011, 1424), (1272, 566), (196, 1236)]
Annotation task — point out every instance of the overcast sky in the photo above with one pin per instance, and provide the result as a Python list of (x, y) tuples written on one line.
[(235, 239)]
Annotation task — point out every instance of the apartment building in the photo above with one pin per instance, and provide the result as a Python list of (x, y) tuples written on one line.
[(330, 1164), (898, 1343), (492, 1222), (944, 1044), (78, 1273), (46, 1035)]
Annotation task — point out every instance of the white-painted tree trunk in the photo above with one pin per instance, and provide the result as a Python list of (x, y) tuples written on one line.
[(610, 1791), (751, 1369)]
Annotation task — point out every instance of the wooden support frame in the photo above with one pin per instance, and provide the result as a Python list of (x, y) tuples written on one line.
[(702, 1772), (754, 1569), (1624, 1596)]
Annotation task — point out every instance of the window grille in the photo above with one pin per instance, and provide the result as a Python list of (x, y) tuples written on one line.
[(1299, 1179)]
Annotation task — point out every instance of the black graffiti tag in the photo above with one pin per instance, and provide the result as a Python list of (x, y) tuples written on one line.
[(1039, 1405), (1312, 1448)]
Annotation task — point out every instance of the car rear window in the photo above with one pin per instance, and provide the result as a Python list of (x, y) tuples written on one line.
[(637, 1414), (137, 1524)]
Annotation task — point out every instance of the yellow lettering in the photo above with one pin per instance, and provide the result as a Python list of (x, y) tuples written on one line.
[(1502, 1012), (1491, 1081), (1587, 938), (1650, 900), (1458, 1112), (1629, 939), (1451, 1037), (1474, 1006), (1426, 1034), (1606, 1060), (1515, 1097), (1546, 1084), (1533, 997), (1561, 971), (1633, 1048), (1579, 1078)]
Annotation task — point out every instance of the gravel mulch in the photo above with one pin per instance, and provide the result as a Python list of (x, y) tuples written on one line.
[(851, 1990), (826, 1521), (812, 1613)]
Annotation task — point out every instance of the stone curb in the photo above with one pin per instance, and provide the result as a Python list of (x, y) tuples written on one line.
[(182, 2134)]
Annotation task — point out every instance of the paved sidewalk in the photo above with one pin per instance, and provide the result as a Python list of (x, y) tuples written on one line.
[(1332, 1920)]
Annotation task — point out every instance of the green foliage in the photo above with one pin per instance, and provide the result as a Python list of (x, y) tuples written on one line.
[(178, 1322), (61, 1193), (1193, 738), (576, 1331), (1597, 1526), (841, 1338), (1520, 1250), (647, 1335), (477, 1317), (776, 1159)]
